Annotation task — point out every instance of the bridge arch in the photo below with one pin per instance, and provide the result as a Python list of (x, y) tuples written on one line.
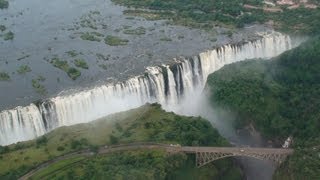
[(203, 158)]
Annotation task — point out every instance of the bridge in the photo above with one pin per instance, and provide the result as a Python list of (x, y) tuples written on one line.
[(204, 155)]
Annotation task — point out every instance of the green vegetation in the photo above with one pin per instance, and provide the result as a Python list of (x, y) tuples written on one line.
[(147, 123), (39, 88), (165, 39), (57, 167), (8, 36), (4, 4), (81, 63), (4, 76), (2, 28), (151, 16), (88, 22), (281, 98), (115, 41), (103, 57), (89, 37), (72, 53), (23, 69), (206, 14), (63, 65), (137, 31), (72, 72), (103, 66)]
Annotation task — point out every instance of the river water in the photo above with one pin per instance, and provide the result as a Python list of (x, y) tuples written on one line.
[(46, 29)]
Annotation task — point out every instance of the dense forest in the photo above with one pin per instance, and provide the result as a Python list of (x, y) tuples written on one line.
[(145, 124), (208, 13), (281, 98)]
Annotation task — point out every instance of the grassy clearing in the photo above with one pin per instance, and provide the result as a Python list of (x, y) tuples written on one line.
[(115, 41), (56, 167)]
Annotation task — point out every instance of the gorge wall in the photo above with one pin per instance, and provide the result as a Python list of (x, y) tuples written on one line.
[(168, 85)]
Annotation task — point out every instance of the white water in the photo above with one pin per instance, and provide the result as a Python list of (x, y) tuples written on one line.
[(171, 86)]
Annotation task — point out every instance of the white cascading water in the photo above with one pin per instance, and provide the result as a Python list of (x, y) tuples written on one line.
[(167, 85)]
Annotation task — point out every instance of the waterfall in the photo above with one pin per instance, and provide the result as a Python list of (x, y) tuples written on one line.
[(166, 84)]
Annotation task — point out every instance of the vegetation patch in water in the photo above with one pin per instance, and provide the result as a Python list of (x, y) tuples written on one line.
[(4, 76), (8, 36), (103, 66), (89, 37), (103, 57), (138, 31), (39, 88), (115, 41), (165, 39), (2, 28), (72, 53), (81, 63), (23, 69), (72, 72), (4, 4)]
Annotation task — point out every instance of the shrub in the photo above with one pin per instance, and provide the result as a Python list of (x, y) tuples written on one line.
[(8, 36), (113, 139), (73, 73), (81, 63), (42, 140), (23, 69), (4, 4), (89, 37), (4, 149), (60, 148), (115, 41), (4, 76), (2, 28)]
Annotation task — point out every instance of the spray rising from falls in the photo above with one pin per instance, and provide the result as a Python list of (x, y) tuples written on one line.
[(167, 84)]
